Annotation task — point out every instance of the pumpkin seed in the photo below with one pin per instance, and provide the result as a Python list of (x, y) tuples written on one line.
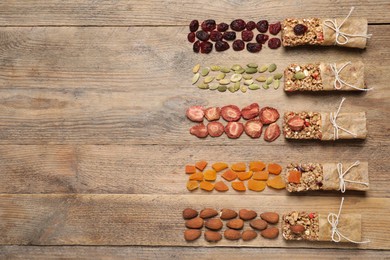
[(215, 67), (243, 89), (246, 76), (195, 78), (224, 81), (248, 82), (208, 79), (204, 72), (252, 65), (240, 71), (278, 76), (203, 86), (261, 79), (196, 68), (276, 84), (236, 67), (220, 76), (250, 70), (213, 87), (269, 80), (222, 88), (231, 89), (225, 70), (272, 67), (253, 86), (263, 68), (265, 86), (235, 77), (299, 75), (236, 86)]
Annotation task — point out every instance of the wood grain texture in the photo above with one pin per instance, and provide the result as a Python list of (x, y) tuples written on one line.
[(157, 13), (156, 219)]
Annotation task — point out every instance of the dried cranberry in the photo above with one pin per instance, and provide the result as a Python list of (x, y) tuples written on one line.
[(202, 35), (238, 25), (275, 28), (206, 47), (300, 29), (246, 35), (215, 36), (253, 47), (238, 45), (262, 38), (191, 37), (250, 25), (262, 26), (194, 25), (229, 36), (208, 25), (221, 46), (196, 46), (274, 43), (222, 27)]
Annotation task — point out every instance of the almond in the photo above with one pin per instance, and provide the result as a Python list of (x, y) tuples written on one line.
[(232, 234), (214, 224), (246, 214), (189, 213), (212, 236), (192, 234), (297, 229), (235, 224), (258, 224), (227, 214), (248, 235), (270, 217), (270, 233), (208, 213), (194, 223)]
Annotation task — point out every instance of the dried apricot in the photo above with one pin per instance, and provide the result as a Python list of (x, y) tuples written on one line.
[(210, 175), (229, 175), (260, 176), (276, 183), (192, 185), (256, 166), (190, 169), (256, 185), (201, 165), (294, 177), (221, 186), (207, 186), (198, 176), (274, 168), (219, 166), (238, 167), (238, 186), (242, 176)]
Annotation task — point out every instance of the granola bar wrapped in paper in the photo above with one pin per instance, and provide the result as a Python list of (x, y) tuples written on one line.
[(345, 76)]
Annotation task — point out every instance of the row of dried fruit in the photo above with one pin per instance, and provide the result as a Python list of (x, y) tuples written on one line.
[(208, 218), (256, 175)]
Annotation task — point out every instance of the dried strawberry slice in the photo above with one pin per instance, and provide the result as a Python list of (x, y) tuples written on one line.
[(272, 132), (234, 129), (212, 113), (215, 129), (296, 123), (253, 128), (195, 113), (268, 115), (250, 111), (231, 113), (199, 130)]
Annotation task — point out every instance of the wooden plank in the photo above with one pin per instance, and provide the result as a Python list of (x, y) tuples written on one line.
[(125, 13), (143, 252), (146, 170), (155, 220)]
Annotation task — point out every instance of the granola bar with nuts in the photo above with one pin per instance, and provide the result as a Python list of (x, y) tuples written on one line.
[(302, 125)]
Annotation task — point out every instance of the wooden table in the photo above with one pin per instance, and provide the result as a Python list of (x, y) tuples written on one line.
[(94, 136)]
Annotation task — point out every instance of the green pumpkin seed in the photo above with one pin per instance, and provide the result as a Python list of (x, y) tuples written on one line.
[(208, 79), (222, 88), (263, 68), (231, 89), (240, 71), (236, 86), (248, 82), (236, 67), (236, 78), (204, 72), (195, 78), (253, 86), (269, 80), (215, 67), (276, 84), (252, 65), (261, 79), (272, 67), (278, 76), (299, 75), (265, 86), (246, 76), (224, 81), (250, 70), (220, 76), (196, 68), (243, 89), (213, 87), (225, 70), (203, 86)]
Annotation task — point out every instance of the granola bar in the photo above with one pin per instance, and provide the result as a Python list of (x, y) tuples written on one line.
[(321, 77)]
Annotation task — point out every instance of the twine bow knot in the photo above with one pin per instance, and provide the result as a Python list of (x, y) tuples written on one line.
[(342, 174), (338, 82), (336, 127)]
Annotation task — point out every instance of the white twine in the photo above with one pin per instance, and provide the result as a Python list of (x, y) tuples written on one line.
[(342, 174), (336, 127), (338, 82), (333, 220), (332, 24)]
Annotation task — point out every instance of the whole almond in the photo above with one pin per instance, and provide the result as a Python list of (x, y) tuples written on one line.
[(248, 235), (208, 213), (227, 214), (212, 236), (270, 217), (235, 224), (297, 229), (192, 234), (189, 213), (270, 233), (246, 214), (214, 224), (232, 234), (194, 223), (258, 224)]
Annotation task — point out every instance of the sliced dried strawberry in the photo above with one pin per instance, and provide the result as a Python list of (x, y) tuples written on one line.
[(199, 130), (268, 115), (231, 113), (272, 132), (253, 128), (234, 129), (215, 129), (296, 123), (212, 113), (195, 113), (250, 111)]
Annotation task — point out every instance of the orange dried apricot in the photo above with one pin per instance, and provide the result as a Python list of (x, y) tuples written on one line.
[(256, 166), (198, 176), (190, 169), (274, 168), (201, 165), (192, 185), (219, 166), (207, 186), (276, 183), (238, 186), (256, 185), (229, 175), (238, 167), (294, 177), (242, 176), (260, 176), (221, 186), (210, 175)]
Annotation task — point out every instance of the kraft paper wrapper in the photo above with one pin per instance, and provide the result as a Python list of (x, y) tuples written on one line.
[(351, 26), (352, 74), (353, 122), (350, 225), (331, 179)]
